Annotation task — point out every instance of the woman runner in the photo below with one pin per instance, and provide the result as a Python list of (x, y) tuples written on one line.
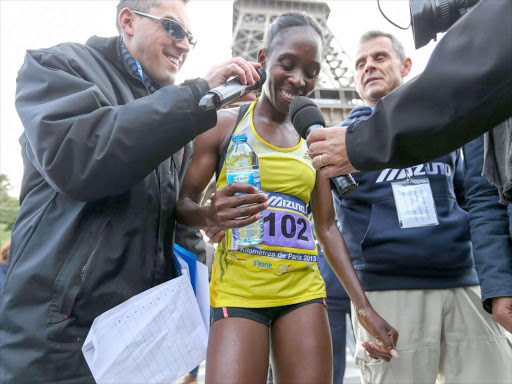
[(270, 297)]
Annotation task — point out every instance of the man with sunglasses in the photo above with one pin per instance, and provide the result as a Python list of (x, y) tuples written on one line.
[(106, 143)]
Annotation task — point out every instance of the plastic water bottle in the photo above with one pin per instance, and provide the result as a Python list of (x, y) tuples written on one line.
[(242, 166)]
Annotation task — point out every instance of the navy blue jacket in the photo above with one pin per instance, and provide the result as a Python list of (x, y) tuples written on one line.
[(490, 231), (387, 257)]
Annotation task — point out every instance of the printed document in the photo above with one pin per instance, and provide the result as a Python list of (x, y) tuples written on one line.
[(154, 337)]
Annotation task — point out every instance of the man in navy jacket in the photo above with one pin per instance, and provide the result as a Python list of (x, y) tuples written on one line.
[(410, 244)]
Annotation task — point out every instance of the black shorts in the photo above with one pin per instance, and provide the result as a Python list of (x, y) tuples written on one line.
[(261, 315)]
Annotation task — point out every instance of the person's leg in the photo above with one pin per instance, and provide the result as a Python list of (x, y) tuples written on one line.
[(416, 315), (474, 347), (301, 346), (337, 323), (238, 351)]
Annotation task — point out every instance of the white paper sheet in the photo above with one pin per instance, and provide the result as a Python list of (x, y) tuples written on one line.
[(154, 337)]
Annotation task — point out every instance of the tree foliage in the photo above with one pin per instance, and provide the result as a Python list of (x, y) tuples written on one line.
[(9, 206)]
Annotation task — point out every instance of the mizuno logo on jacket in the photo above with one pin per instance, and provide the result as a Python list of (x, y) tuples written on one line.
[(433, 168)]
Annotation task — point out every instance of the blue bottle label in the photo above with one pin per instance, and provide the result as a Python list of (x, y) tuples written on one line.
[(252, 178)]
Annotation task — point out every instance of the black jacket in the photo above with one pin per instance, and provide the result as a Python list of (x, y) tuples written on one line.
[(96, 222), (465, 90), (489, 223)]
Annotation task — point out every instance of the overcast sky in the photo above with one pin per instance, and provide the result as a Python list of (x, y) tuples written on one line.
[(39, 24)]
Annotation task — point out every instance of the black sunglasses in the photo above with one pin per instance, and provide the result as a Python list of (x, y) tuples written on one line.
[(174, 29)]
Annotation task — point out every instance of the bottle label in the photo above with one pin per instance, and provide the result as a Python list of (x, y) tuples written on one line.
[(252, 178)]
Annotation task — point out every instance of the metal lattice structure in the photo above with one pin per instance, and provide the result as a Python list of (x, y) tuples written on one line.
[(335, 93)]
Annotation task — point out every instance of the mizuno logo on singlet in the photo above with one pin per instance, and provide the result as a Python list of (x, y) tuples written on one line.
[(434, 168), (278, 201)]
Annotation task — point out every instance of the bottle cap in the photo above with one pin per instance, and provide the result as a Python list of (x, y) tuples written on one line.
[(239, 137)]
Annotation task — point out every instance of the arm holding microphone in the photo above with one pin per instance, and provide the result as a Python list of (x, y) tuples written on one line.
[(465, 90)]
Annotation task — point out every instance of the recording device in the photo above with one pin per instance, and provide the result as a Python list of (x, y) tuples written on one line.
[(306, 117), (231, 90), (429, 17)]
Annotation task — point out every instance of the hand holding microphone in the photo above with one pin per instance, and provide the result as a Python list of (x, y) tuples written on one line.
[(230, 91), (306, 118), (248, 76)]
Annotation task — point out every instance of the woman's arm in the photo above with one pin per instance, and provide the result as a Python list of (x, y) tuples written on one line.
[(337, 255), (228, 203)]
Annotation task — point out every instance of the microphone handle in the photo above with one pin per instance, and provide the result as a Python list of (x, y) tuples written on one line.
[(230, 91), (226, 93), (344, 184), (217, 97)]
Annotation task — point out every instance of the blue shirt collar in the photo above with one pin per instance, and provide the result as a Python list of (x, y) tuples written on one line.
[(133, 66), (358, 113)]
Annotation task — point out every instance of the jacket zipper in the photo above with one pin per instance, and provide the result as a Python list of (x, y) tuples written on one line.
[(85, 267), (88, 262)]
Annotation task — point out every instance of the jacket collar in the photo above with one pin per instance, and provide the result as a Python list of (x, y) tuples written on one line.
[(108, 47), (114, 50)]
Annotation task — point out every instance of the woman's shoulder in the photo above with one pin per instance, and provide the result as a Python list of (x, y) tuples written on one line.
[(226, 121), (226, 118)]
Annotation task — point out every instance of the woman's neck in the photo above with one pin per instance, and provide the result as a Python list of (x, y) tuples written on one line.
[(274, 126), (266, 110)]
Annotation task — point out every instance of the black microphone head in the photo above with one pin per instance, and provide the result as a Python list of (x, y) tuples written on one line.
[(305, 113), (260, 82)]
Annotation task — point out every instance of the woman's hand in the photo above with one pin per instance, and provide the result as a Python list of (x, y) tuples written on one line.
[(386, 336), (214, 234), (236, 205)]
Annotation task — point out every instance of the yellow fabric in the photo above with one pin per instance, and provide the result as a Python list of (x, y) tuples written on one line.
[(247, 277)]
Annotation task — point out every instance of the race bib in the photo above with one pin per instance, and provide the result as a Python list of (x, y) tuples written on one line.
[(287, 244), (286, 223)]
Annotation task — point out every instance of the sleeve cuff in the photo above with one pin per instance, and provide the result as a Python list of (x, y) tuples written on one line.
[(350, 143), (198, 87), (488, 305)]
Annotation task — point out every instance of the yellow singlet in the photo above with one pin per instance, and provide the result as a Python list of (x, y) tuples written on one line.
[(283, 269)]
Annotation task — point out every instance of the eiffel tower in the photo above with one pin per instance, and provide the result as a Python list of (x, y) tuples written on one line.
[(335, 93)]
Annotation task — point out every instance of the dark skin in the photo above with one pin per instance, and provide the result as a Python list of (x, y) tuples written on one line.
[(293, 65)]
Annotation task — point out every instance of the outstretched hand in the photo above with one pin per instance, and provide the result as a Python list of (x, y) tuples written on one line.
[(385, 335), (234, 206)]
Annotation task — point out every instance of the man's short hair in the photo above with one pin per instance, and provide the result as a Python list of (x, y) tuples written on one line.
[(137, 5), (399, 48)]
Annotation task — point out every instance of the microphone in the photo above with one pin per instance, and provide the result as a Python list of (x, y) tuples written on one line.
[(306, 117), (231, 90)]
